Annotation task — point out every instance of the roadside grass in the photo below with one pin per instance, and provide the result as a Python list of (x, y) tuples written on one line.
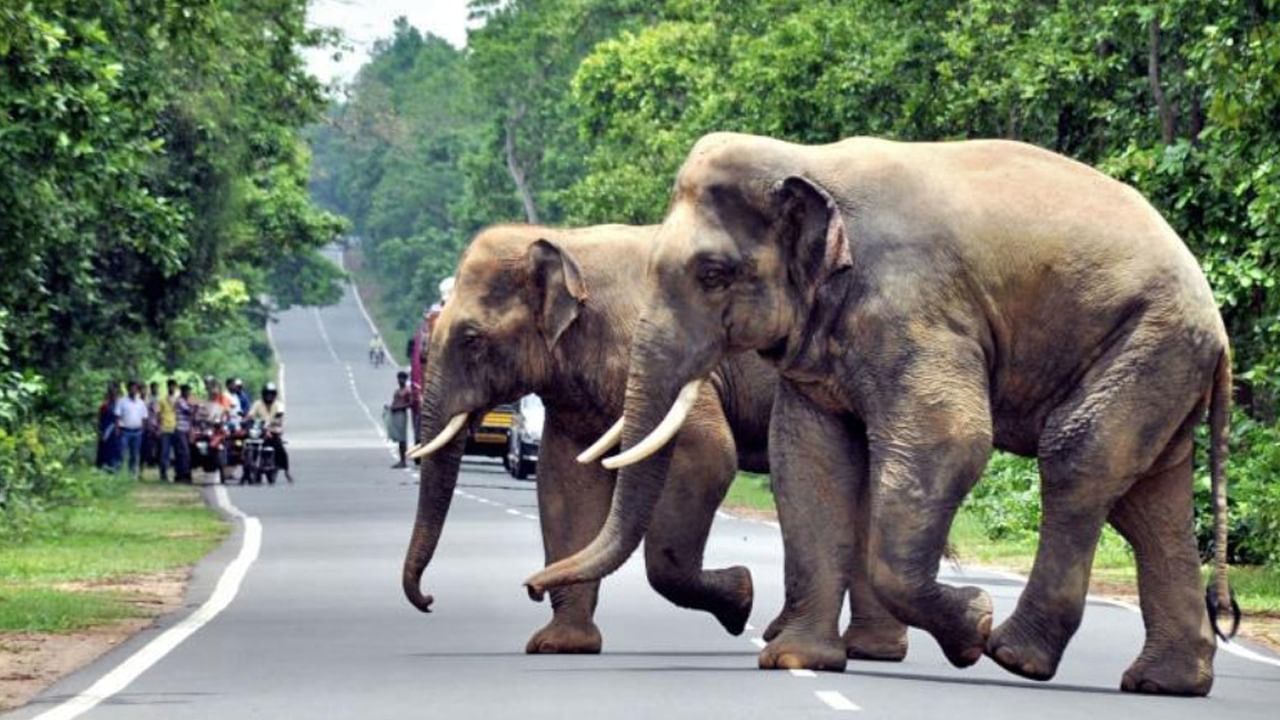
[(149, 529), (1257, 588), (366, 283), (750, 491)]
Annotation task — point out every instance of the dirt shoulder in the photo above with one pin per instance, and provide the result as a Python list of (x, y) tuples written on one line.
[(94, 575), (32, 661)]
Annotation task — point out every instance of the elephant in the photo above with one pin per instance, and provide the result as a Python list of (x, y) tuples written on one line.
[(924, 303), (552, 312)]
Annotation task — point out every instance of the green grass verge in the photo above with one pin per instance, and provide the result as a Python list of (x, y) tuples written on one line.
[(371, 291), (149, 529), (1257, 588), (750, 491)]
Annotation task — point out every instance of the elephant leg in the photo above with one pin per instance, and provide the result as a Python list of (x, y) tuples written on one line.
[(816, 464), (1155, 516), (573, 501), (1112, 430), (873, 632), (702, 467), (928, 447)]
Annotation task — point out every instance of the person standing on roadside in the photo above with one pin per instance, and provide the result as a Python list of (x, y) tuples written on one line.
[(167, 424), (132, 417), (108, 429), (246, 403), (184, 411), (151, 429), (401, 401)]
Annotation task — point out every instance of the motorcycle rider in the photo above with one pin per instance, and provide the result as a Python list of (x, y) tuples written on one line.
[(269, 410)]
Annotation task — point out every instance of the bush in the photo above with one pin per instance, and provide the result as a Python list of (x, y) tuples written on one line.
[(1007, 498), (1252, 491)]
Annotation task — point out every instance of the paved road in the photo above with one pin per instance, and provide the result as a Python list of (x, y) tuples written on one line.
[(319, 628)]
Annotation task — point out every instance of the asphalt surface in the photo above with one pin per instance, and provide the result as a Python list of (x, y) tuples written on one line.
[(319, 628)]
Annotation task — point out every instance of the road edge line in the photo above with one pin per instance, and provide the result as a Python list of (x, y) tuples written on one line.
[(355, 291), (228, 586)]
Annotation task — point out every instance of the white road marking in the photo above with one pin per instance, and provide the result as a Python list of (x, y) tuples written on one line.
[(759, 642), (802, 672), (836, 701), (531, 517), (126, 672), (355, 391), (355, 292), (275, 352), (512, 511), (1239, 651), (749, 626)]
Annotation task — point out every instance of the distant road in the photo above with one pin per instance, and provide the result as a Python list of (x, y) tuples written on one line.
[(319, 628)]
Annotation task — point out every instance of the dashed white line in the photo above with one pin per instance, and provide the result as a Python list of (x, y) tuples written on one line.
[(836, 701), (802, 672), (759, 642), (512, 511)]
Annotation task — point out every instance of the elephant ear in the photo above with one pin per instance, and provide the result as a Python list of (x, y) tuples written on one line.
[(812, 233), (558, 289)]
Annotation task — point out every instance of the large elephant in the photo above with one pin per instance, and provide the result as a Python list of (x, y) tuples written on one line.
[(553, 312), (924, 302)]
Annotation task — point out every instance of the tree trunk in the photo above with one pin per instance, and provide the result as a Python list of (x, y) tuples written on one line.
[(1168, 120), (513, 166)]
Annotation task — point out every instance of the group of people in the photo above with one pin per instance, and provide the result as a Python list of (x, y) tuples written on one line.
[(146, 428)]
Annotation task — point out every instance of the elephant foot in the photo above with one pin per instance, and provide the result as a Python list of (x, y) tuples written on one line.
[(734, 610), (793, 650), (964, 639), (883, 640), (777, 625), (564, 639), (1025, 648), (1170, 673)]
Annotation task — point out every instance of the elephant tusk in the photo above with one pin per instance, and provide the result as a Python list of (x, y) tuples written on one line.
[(662, 434), (610, 438), (439, 441)]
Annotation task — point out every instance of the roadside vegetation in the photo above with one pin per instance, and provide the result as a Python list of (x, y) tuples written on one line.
[(154, 184), (83, 564), (579, 111)]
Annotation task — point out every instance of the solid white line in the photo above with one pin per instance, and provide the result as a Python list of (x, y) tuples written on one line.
[(355, 291), (126, 672), (275, 352), (802, 672), (836, 701), (1239, 651)]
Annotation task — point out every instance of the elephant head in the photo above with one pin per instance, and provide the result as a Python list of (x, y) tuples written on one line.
[(516, 295), (749, 243)]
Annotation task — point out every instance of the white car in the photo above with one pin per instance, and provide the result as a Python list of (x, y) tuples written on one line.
[(525, 438)]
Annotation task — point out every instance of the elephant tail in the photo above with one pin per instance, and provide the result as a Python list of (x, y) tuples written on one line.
[(1219, 596)]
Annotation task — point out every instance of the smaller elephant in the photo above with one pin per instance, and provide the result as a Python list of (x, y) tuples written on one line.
[(552, 312), (924, 303)]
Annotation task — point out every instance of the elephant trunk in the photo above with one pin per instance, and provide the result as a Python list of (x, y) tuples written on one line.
[(437, 478), (651, 390)]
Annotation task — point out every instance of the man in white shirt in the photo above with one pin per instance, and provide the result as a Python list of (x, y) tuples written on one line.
[(131, 417)]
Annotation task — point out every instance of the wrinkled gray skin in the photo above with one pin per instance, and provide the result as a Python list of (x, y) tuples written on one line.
[(553, 312), (924, 302)]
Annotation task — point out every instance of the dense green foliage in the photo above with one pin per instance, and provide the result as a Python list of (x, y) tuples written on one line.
[(601, 101), (153, 191)]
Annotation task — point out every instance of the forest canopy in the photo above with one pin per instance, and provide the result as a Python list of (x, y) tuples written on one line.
[(580, 111)]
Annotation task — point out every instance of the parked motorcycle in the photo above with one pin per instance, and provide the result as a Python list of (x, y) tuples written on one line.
[(259, 457), (208, 446)]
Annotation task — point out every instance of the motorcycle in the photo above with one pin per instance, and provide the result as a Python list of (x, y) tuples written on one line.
[(258, 456), (208, 446)]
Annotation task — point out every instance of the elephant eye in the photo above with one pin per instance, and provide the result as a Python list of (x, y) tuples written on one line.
[(472, 338), (714, 275)]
